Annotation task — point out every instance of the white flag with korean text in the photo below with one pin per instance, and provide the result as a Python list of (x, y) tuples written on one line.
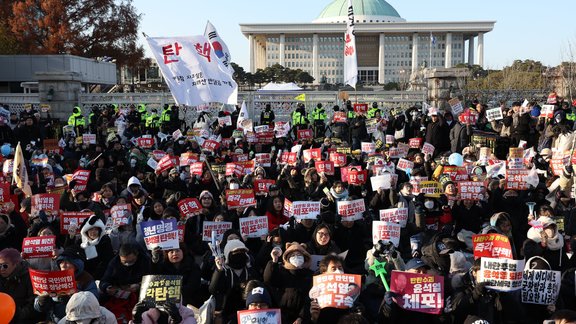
[(192, 70), (220, 48), (350, 61)]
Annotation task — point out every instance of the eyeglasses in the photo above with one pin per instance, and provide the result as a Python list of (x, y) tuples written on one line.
[(4, 266)]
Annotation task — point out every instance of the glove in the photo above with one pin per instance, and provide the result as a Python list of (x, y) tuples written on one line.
[(569, 169), (138, 310), (173, 312), (45, 303), (156, 254)]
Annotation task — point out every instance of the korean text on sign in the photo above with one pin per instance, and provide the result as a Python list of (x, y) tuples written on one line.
[(336, 290), (161, 288), (162, 233), (501, 274), (418, 292), (254, 227), (53, 282), (492, 246)]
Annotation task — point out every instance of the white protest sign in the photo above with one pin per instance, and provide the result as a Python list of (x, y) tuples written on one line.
[(428, 148), (540, 286), (351, 210), (405, 165), (218, 228), (254, 227), (395, 215), (494, 114), (381, 182), (501, 274), (368, 147), (306, 209), (386, 231)]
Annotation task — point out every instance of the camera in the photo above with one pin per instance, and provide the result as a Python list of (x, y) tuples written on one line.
[(384, 249)]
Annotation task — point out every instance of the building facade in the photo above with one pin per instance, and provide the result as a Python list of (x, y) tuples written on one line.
[(389, 49)]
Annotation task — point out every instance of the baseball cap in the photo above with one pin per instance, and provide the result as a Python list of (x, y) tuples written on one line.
[(415, 263)]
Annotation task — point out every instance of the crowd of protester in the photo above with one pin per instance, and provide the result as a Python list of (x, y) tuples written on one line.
[(275, 271)]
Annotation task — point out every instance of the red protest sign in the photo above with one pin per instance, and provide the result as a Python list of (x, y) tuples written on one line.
[(312, 154), (145, 142), (263, 159), (324, 166), (344, 172), (68, 219), (49, 203), (492, 246), (121, 214), (351, 210), (187, 158), (240, 198), (418, 292), (456, 173), (262, 185), (304, 134), (428, 148), (288, 158), (234, 169), (38, 247), (188, 207), (468, 117), (357, 177), (471, 190), (210, 145), (240, 157), (336, 290), (361, 108), (415, 142), (266, 137), (81, 177), (166, 163), (158, 154), (516, 179), (54, 283), (340, 117), (339, 159), (197, 168), (254, 227)]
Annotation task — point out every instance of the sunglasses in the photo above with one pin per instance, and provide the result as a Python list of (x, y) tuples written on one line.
[(4, 266)]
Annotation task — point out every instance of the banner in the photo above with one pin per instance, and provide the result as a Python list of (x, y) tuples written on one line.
[(428, 148), (304, 134), (540, 286), (263, 159), (38, 247), (456, 106), (415, 143), (189, 207), (456, 173), (386, 231), (492, 246), (216, 228), (517, 179), (81, 177), (305, 209), (260, 316), (193, 73), (339, 117), (240, 198), (360, 108), (289, 158), (336, 290), (431, 188), (254, 227), (405, 165), (471, 190), (351, 210), (53, 283), (281, 129), (547, 111), (311, 154), (160, 289), (468, 117), (356, 177), (395, 215), (166, 163), (501, 274), (263, 185), (339, 159), (350, 60), (368, 147), (210, 145), (89, 138), (418, 292), (162, 233)]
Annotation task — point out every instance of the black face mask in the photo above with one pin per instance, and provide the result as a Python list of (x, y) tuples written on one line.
[(237, 261)]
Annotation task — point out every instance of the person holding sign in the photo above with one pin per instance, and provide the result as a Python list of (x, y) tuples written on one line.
[(96, 244), (548, 243), (179, 262), (291, 276)]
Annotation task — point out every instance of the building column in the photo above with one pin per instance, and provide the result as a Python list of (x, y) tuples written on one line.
[(414, 52), (448, 52), (282, 46), (480, 49), (381, 65), (471, 50), (315, 65), (251, 45)]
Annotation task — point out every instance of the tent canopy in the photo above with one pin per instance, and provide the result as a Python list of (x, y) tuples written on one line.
[(280, 87)]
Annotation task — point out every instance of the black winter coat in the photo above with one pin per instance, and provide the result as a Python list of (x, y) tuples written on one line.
[(291, 288)]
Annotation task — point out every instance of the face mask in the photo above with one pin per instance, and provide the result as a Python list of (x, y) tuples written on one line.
[(297, 260), (128, 264), (338, 271), (234, 186), (237, 261), (558, 119), (181, 142), (429, 204)]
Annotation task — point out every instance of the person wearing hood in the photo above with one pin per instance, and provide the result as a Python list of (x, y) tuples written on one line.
[(83, 307), (547, 243), (55, 307), (321, 242), (133, 187), (500, 223), (96, 245), (10, 235), (231, 273), (120, 285), (537, 313), (172, 184), (291, 278), (15, 281), (77, 120)]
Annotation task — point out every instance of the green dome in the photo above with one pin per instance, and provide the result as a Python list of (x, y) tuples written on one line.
[(364, 10)]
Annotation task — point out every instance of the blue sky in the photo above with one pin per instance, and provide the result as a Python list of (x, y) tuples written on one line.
[(524, 29)]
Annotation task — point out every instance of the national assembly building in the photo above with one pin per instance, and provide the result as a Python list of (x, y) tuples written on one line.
[(389, 49)]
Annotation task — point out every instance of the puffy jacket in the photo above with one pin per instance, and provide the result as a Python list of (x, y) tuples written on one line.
[(19, 287), (76, 119)]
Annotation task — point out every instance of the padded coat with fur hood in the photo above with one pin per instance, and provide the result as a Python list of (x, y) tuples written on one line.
[(99, 251)]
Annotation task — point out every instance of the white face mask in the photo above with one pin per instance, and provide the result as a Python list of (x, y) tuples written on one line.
[(429, 204), (338, 271), (297, 260), (234, 186)]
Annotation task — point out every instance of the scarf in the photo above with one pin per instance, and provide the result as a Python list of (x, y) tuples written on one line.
[(556, 242), (339, 196)]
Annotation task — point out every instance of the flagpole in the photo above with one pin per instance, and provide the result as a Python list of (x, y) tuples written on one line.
[(430, 57)]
